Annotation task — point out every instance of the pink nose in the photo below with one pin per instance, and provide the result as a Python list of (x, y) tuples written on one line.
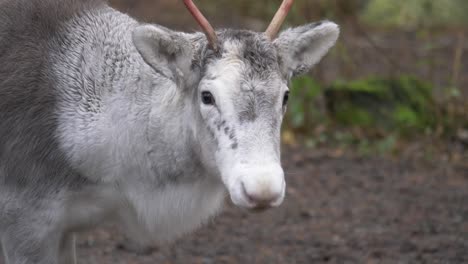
[(262, 200)]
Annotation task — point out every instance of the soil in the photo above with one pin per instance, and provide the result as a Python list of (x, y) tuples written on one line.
[(340, 208)]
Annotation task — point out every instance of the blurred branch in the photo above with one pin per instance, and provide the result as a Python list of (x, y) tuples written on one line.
[(457, 58)]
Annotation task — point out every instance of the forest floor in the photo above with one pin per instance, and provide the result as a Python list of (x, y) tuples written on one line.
[(339, 208)]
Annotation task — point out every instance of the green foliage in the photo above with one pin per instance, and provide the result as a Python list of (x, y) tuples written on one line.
[(302, 11), (403, 104), (387, 144), (394, 13), (404, 115), (349, 115), (302, 112), (371, 115), (415, 13)]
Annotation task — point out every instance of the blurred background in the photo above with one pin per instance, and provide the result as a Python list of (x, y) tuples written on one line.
[(375, 141), (397, 76)]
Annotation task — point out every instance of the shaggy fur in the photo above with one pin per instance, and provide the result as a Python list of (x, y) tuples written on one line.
[(101, 120)]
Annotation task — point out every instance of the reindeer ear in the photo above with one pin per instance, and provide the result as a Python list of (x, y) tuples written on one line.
[(167, 52), (302, 47)]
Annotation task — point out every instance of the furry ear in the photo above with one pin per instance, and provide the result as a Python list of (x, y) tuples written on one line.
[(167, 52), (302, 47)]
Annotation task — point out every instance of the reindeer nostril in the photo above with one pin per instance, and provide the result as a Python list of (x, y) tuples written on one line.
[(260, 202), (246, 194)]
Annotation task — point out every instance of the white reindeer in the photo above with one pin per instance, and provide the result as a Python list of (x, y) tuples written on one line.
[(104, 118)]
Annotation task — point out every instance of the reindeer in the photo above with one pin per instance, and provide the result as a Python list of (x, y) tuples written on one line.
[(105, 118)]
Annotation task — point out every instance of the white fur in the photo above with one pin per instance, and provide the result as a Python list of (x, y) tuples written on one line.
[(111, 146), (312, 44), (177, 209), (149, 213), (262, 177), (148, 216), (133, 141)]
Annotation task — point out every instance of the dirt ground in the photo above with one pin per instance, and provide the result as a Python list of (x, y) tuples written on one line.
[(339, 209)]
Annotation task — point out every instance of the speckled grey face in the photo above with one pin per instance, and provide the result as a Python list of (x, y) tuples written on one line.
[(242, 100), (240, 97)]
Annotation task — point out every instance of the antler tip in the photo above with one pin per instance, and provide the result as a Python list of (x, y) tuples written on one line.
[(204, 24), (278, 19)]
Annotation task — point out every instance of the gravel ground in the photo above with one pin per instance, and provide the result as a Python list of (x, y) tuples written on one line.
[(339, 209)]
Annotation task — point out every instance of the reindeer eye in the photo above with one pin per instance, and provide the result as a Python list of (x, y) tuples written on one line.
[(285, 98), (207, 98)]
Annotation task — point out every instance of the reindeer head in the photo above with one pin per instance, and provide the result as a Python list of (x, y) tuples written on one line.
[(236, 83)]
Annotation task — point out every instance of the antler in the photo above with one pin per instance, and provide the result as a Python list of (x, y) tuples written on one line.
[(278, 19), (204, 24)]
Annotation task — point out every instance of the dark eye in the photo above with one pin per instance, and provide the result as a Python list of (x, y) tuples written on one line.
[(207, 98), (285, 98)]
